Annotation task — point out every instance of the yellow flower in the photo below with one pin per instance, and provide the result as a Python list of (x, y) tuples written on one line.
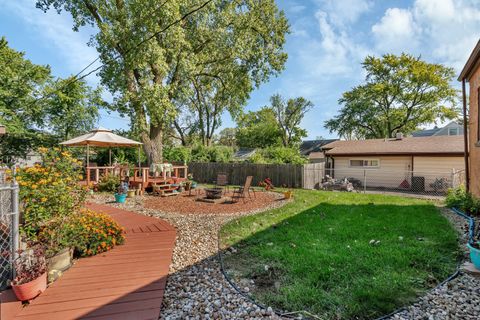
[(34, 186), (43, 199)]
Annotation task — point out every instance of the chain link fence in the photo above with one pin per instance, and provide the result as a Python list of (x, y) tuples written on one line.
[(421, 183), (8, 226)]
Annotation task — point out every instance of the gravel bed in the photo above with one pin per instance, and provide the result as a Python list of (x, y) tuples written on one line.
[(196, 288)]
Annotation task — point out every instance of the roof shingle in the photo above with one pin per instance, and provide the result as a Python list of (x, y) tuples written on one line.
[(407, 146)]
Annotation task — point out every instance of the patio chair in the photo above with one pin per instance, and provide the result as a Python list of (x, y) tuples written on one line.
[(242, 192), (222, 182)]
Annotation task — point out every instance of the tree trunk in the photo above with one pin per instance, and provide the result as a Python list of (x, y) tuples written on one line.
[(153, 144)]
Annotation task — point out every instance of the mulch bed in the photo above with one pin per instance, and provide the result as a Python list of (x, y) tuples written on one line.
[(186, 204)]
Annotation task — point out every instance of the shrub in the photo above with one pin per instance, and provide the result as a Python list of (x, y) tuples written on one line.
[(278, 155), (88, 232), (108, 183), (177, 154), (49, 190), (461, 199)]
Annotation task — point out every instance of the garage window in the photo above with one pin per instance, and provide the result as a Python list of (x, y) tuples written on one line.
[(364, 163)]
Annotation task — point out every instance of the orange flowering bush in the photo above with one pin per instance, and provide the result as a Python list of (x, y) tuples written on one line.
[(49, 190), (94, 232), (88, 232)]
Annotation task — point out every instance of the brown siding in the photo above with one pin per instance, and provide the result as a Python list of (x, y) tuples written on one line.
[(474, 159)]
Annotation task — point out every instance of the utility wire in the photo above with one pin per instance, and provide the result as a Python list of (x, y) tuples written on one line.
[(77, 76)]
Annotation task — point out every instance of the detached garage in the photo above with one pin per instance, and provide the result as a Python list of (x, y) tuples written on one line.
[(415, 163)]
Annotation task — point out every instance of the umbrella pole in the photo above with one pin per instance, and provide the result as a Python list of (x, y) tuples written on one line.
[(110, 156), (88, 165), (139, 164)]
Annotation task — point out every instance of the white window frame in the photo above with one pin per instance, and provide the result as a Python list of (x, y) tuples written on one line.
[(456, 131), (363, 161)]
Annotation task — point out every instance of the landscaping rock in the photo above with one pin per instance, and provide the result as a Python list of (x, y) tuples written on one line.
[(196, 288)]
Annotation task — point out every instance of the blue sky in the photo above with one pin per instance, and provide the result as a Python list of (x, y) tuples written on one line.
[(328, 41)]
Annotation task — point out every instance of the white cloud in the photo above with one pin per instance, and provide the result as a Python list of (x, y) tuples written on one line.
[(296, 8), (441, 31), (345, 12), (55, 31), (331, 51), (396, 31)]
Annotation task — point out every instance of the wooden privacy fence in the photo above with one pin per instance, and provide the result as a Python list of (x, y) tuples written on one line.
[(289, 175)]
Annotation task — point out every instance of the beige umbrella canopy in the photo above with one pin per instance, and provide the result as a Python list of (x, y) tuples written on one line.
[(101, 137)]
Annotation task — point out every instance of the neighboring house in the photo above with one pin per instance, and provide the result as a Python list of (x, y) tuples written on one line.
[(452, 129), (312, 149), (29, 161), (471, 74), (243, 154), (397, 163)]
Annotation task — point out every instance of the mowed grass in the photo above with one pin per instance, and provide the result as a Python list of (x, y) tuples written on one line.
[(315, 254)]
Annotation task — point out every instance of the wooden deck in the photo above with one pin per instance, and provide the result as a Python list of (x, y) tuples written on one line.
[(127, 282)]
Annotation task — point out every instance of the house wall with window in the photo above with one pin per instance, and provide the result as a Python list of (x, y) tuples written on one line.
[(394, 171), (389, 171)]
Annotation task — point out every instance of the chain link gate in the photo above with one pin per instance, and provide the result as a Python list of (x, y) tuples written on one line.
[(8, 226)]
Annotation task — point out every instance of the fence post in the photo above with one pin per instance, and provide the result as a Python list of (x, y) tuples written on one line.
[(364, 181), (452, 180), (15, 215)]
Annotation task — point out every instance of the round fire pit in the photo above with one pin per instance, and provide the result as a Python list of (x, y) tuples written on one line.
[(213, 193)]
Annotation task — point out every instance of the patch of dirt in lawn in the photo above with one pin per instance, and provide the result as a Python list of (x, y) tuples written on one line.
[(185, 204)]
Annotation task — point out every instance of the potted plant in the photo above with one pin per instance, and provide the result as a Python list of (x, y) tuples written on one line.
[(474, 248), (288, 194), (31, 274), (121, 194)]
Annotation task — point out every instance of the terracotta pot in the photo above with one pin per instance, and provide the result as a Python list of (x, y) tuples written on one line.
[(30, 290)]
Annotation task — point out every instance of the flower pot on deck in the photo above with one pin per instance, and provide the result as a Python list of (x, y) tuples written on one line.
[(120, 197), (474, 255), (30, 290)]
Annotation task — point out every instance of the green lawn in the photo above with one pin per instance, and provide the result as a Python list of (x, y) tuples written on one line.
[(319, 258)]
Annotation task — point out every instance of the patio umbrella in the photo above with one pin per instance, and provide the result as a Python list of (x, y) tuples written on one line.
[(102, 137)]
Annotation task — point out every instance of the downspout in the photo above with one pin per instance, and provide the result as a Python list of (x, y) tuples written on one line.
[(465, 137)]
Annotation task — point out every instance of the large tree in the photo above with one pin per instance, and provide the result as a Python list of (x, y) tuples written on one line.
[(258, 129), (289, 114), (38, 110), (400, 93), (149, 79), (72, 107)]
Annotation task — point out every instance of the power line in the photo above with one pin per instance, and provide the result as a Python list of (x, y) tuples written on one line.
[(76, 77)]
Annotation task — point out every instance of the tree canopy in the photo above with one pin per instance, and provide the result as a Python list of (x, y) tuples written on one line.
[(400, 93), (274, 125), (289, 114), (258, 129), (225, 48), (37, 109)]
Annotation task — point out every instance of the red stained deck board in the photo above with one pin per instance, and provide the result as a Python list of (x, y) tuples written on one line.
[(127, 282)]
